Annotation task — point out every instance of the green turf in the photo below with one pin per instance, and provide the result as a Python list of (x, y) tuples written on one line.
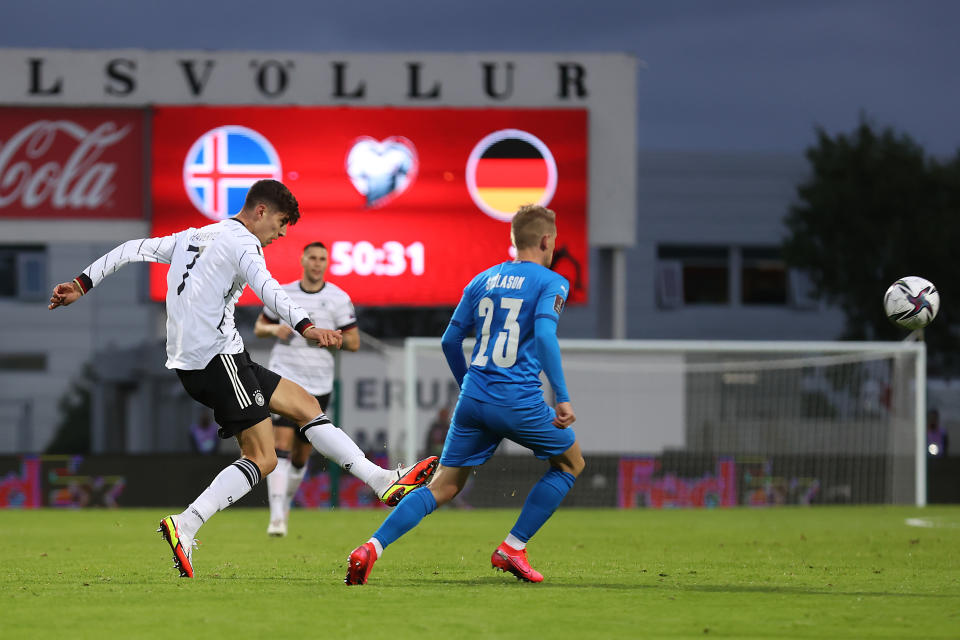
[(828, 572)]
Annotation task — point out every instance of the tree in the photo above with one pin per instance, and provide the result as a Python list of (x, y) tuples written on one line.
[(73, 432), (876, 208)]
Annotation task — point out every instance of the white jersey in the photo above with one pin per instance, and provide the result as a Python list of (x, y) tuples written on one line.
[(309, 365), (209, 268)]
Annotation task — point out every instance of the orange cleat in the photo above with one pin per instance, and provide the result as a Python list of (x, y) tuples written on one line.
[(506, 558), (181, 547), (360, 563), (408, 479)]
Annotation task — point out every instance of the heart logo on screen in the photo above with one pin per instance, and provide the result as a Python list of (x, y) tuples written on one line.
[(382, 169)]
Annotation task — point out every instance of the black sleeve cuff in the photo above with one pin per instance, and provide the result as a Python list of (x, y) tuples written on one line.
[(84, 282), (303, 325)]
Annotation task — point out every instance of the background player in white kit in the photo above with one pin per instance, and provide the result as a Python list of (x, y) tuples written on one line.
[(209, 268), (306, 363)]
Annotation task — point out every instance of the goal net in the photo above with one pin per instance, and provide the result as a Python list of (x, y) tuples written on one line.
[(697, 423)]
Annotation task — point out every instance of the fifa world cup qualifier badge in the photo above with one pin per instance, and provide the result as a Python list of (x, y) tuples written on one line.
[(558, 304)]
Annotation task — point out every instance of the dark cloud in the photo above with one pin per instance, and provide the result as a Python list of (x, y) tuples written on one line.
[(719, 75)]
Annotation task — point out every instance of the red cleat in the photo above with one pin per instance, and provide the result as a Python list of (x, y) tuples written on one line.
[(506, 558), (360, 563)]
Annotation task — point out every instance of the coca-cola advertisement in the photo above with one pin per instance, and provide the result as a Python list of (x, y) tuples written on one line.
[(71, 163)]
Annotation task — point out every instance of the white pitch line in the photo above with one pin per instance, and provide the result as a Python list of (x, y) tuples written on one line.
[(931, 523), (920, 522)]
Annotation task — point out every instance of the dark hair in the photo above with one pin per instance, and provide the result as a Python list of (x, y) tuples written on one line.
[(275, 195), (317, 244)]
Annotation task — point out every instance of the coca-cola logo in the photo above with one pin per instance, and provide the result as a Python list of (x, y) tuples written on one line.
[(33, 174)]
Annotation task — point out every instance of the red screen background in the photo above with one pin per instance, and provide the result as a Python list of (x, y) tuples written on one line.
[(436, 210)]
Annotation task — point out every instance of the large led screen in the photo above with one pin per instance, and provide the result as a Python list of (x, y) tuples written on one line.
[(411, 203)]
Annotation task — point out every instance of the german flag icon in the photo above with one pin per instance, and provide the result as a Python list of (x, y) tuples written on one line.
[(510, 168)]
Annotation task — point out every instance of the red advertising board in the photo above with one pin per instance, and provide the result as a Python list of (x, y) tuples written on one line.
[(411, 202), (71, 163)]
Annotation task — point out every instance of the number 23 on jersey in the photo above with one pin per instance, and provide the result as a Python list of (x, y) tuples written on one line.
[(504, 352)]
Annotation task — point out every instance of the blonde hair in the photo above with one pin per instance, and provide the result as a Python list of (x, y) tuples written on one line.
[(530, 223)]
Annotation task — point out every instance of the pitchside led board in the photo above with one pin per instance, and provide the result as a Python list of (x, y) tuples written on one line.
[(411, 202)]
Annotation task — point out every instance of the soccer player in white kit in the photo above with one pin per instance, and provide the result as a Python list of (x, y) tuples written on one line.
[(307, 364), (209, 268)]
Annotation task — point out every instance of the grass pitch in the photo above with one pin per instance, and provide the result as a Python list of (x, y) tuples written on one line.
[(826, 572)]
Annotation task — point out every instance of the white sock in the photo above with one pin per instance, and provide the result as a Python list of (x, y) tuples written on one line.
[(515, 542), (294, 478), (377, 546), (337, 446), (230, 485), (277, 489)]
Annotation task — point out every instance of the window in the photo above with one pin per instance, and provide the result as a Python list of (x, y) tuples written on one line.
[(23, 362), (702, 271), (751, 275), (763, 276), (23, 272)]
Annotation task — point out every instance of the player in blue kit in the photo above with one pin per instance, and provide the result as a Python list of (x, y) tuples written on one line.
[(514, 308)]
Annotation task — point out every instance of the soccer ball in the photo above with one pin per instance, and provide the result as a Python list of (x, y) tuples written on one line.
[(911, 302)]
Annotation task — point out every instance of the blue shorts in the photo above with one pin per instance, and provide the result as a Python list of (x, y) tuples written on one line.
[(477, 428)]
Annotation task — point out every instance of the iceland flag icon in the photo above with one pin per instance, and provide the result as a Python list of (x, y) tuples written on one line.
[(222, 164)]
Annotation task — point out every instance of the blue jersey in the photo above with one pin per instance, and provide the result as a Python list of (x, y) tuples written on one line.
[(503, 306)]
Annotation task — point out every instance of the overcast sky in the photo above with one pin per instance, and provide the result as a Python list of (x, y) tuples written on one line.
[(717, 75)]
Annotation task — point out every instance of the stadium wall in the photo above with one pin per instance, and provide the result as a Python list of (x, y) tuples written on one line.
[(674, 480)]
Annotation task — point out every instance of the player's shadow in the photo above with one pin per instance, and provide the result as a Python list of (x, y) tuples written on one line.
[(506, 581), (706, 588)]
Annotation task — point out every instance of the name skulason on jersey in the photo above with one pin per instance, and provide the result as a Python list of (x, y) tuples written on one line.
[(505, 282)]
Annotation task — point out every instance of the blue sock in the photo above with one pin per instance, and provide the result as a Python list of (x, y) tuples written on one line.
[(541, 502), (406, 515)]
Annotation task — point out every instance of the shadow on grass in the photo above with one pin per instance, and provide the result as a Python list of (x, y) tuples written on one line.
[(705, 588), (716, 588)]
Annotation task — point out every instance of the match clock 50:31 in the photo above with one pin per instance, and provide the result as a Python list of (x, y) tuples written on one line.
[(365, 259)]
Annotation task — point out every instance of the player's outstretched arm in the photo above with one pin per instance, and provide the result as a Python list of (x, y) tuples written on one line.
[(253, 268), (64, 294), (139, 250)]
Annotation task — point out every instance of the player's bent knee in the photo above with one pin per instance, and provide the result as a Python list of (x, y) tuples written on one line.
[(571, 461), (307, 413), (573, 468), (304, 410), (580, 465), (266, 461), (267, 464)]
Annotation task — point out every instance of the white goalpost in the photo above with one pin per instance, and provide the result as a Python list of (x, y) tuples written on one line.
[(704, 423)]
